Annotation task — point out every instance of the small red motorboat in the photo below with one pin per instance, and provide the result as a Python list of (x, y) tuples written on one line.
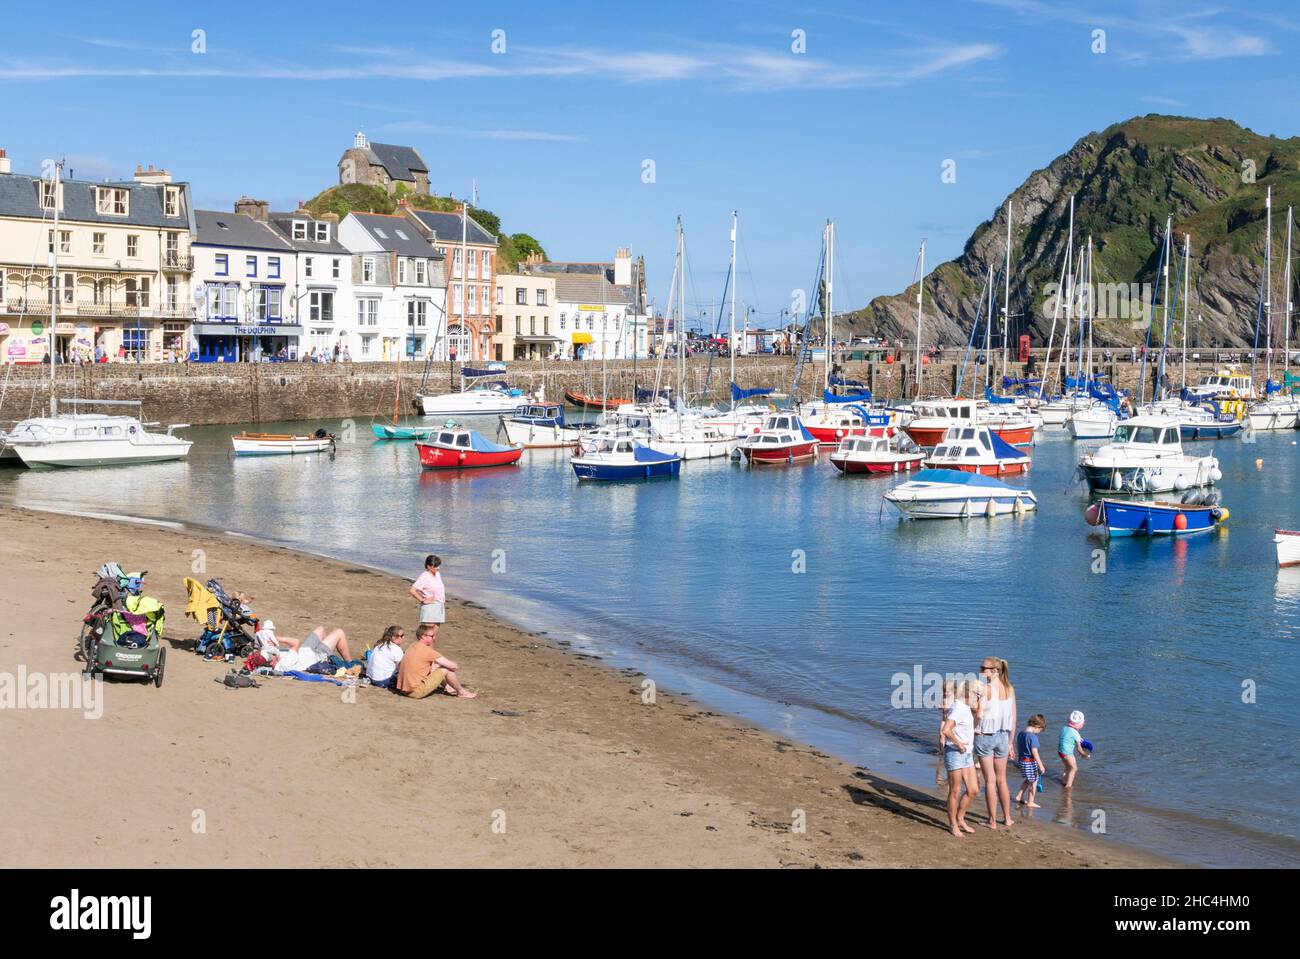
[(874, 454), (933, 418), (583, 401), (454, 448), (782, 439)]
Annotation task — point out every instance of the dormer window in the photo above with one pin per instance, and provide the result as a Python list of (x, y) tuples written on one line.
[(401, 235), (112, 201), (380, 233), (172, 201), (322, 232), (48, 195), (299, 230)]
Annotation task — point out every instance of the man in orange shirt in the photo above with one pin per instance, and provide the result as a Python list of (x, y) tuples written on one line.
[(423, 670)]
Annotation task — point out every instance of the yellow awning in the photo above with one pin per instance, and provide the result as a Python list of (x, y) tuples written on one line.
[(582, 338)]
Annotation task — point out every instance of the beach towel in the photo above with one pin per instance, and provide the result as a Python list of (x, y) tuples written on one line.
[(313, 677)]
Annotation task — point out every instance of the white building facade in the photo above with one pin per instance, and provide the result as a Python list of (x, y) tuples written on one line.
[(324, 302)]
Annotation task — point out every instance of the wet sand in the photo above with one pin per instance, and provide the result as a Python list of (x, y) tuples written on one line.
[(558, 762)]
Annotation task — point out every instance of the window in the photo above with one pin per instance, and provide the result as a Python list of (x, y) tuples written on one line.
[(484, 306), (499, 297), (380, 233), (135, 342), (173, 302), (546, 326), (401, 235), (48, 194), (2, 287), (112, 201), (322, 232), (49, 240), (172, 201), (336, 267), (65, 241), (455, 263), (267, 301), (499, 324), (518, 325), (421, 273), (521, 297), (132, 245), (367, 312), (367, 346), (416, 314), (250, 265), (321, 306), (473, 265), (69, 287), (273, 267), (532, 326), (401, 270), (222, 301), (173, 246), (306, 266), (487, 264), (299, 230), (562, 317), (457, 298), (223, 263), (368, 269), (541, 297), (137, 292)]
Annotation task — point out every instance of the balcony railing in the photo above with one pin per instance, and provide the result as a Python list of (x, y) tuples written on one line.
[(41, 307), (175, 260)]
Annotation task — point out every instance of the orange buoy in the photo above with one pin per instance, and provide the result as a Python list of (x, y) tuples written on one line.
[(1259, 463), (1180, 522)]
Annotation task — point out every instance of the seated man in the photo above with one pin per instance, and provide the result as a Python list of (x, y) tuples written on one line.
[(423, 670), (315, 648)]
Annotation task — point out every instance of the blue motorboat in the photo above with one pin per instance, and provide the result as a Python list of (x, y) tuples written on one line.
[(1197, 513), (624, 459)]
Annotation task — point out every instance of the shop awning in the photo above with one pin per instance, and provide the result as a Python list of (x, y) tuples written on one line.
[(582, 338), (530, 338)]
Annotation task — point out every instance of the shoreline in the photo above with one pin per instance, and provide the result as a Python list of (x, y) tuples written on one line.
[(590, 774)]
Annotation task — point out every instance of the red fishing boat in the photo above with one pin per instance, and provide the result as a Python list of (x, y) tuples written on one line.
[(874, 454), (583, 401), (932, 419), (454, 448), (782, 439)]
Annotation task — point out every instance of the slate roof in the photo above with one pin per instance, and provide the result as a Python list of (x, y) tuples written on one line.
[(414, 243), (283, 224), (446, 227), (236, 230), (402, 163), (20, 196), (589, 291)]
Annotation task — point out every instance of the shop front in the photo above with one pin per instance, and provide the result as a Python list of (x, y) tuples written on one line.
[(243, 343)]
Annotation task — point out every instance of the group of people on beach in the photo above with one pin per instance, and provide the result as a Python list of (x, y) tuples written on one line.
[(978, 738), (416, 670)]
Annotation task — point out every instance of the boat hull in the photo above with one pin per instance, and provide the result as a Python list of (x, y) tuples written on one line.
[(625, 471), (1209, 431), (780, 455), (877, 467), (385, 432), (984, 469), (472, 403), (278, 445), (1143, 479), (1123, 518), (972, 507), (60, 455), (928, 437), (1268, 420), (1287, 543), (537, 436), (585, 402), (445, 458)]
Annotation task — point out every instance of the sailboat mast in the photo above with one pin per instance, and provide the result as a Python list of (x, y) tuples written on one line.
[(1092, 309), (731, 341), (1187, 295), (829, 284), (920, 310), (1069, 295), (988, 332), (681, 314), (54, 294), (1006, 295), (1268, 285), (1164, 333), (1286, 296)]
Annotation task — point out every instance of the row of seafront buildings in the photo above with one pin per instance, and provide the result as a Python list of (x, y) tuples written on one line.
[(142, 275)]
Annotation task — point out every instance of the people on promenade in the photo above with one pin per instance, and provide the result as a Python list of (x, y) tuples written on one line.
[(429, 592), (385, 657), (1069, 745), (994, 726), (423, 670), (1029, 759), (957, 733)]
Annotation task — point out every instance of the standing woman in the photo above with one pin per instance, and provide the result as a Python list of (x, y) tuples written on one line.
[(431, 595), (994, 724)]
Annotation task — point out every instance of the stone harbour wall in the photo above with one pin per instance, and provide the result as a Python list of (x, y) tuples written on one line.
[(216, 393)]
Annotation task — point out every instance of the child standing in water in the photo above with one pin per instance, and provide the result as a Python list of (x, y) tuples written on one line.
[(1068, 746), (1031, 764)]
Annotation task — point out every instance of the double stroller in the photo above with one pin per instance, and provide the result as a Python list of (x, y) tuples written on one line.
[(229, 623), (122, 633)]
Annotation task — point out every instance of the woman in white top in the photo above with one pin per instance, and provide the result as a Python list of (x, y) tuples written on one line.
[(381, 663), (955, 737), (995, 721)]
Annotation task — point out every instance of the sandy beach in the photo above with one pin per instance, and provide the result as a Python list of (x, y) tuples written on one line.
[(558, 762)]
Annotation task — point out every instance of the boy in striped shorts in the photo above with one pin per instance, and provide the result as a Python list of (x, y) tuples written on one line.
[(1031, 764)]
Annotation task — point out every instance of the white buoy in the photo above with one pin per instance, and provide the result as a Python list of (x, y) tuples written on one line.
[(991, 509)]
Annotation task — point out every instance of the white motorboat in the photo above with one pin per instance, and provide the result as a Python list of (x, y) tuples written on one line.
[(695, 440), (280, 444), (93, 439), (477, 397), (1147, 456), (1095, 422), (543, 426), (953, 494)]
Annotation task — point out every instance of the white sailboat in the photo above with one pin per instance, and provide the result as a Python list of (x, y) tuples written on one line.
[(1278, 412)]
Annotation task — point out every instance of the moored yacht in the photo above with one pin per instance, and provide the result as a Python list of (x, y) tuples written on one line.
[(92, 439), (1146, 456)]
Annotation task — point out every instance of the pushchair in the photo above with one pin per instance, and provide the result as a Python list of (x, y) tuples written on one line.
[(228, 621), (122, 633)]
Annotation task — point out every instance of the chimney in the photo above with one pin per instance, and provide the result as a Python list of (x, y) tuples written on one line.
[(4, 163), (257, 209), (623, 266), (151, 175)]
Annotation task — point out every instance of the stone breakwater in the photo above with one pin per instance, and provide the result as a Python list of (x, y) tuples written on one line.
[(215, 393)]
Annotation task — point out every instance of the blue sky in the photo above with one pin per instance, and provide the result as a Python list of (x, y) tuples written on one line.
[(557, 128)]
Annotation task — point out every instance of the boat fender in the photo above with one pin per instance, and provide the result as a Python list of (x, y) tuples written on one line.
[(1019, 507), (1093, 514), (1215, 474), (990, 508), (1179, 483), (1220, 514), (1116, 480), (462, 458), (1180, 521)]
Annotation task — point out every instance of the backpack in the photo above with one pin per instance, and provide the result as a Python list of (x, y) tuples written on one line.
[(236, 680)]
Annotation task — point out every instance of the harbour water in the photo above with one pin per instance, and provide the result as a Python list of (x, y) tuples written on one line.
[(794, 597)]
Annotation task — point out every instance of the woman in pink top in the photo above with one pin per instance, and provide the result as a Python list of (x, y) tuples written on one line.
[(430, 594)]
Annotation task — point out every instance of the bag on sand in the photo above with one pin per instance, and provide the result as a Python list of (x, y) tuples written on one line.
[(237, 680)]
